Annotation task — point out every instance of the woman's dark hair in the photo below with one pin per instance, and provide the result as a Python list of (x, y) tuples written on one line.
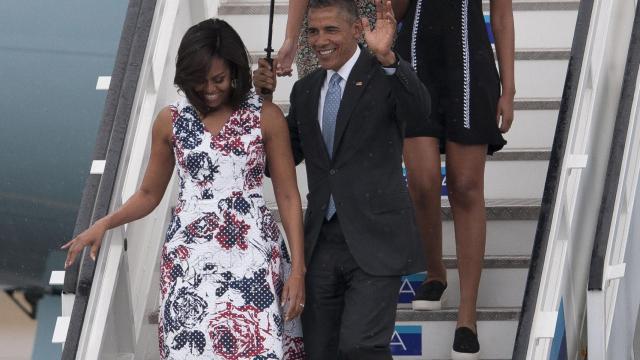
[(199, 45)]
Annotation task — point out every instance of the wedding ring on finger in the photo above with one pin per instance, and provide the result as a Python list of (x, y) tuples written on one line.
[(301, 305)]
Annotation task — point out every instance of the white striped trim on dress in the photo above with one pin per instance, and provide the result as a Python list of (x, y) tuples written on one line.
[(466, 64), (414, 36)]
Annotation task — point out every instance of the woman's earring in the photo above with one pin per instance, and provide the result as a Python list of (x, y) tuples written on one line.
[(233, 83)]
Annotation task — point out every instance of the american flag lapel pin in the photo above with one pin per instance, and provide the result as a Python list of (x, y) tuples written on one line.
[(358, 83)]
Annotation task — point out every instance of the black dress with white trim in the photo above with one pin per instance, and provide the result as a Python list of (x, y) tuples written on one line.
[(448, 45)]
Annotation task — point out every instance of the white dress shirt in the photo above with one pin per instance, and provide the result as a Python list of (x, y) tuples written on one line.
[(344, 72)]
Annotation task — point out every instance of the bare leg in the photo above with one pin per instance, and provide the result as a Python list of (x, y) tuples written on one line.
[(465, 182), (422, 159)]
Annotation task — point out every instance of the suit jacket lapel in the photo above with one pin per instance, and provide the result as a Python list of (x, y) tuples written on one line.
[(310, 111), (354, 88)]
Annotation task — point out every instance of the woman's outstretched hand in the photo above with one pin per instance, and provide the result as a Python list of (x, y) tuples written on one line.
[(90, 237)]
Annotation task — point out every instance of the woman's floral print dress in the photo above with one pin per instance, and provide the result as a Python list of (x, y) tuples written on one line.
[(224, 261)]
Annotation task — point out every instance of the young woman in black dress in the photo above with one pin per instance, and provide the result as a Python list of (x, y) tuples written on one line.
[(472, 106)]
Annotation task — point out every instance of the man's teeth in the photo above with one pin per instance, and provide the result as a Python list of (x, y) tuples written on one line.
[(326, 52)]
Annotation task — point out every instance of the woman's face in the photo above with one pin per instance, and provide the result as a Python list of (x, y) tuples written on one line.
[(215, 90)]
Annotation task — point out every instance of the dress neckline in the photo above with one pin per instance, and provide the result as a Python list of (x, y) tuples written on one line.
[(206, 129)]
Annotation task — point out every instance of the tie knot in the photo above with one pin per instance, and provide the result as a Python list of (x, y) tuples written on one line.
[(335, 79)]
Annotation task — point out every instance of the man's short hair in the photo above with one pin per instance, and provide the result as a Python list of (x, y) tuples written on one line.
[(348, 7)]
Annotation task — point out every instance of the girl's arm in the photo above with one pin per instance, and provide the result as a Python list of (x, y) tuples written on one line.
[(502, 27), (400, 8), (287, 52)]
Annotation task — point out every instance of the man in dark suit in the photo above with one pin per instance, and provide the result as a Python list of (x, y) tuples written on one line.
[(346, 121)]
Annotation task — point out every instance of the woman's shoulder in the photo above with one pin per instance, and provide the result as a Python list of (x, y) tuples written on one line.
[(270, 110), (179, 105), (271, 116), (164, 122)]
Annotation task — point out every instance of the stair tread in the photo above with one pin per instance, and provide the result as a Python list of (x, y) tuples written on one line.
[(281, 7), (451, 314), (446, 314), (496, 209), (494, 261), (522, 54), (518, 104)]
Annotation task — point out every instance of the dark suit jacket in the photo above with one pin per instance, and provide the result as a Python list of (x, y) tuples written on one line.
[(365, 173)]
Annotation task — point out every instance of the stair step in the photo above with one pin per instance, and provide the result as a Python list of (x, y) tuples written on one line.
[(538, 24), (446, 314), (536, 78), (451, 314), (497, 209), (494, 262), (520, 55), (519, 155), (281, 8), (492, 290), (510, 229), (429, 334), (518, 104), (533, 128)]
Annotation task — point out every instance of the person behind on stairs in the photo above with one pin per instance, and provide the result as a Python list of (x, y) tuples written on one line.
[(228, 287), (449, 47), (346, 121)]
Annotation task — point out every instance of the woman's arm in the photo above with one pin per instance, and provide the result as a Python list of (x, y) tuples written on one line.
[(287, 52), (283, 176), (400, 8), (156, 177), (502, 27)]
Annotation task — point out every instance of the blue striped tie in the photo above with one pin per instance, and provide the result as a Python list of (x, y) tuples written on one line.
[(329, 114)]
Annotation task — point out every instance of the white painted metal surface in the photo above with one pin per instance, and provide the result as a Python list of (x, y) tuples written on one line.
[(60, 330), (614, 339), (103, 83), (568, 254), (57, 278), (126, 284), (125, 287), (97, 167)]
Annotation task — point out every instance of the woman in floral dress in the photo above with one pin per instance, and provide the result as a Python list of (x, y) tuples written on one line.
[(228, 288)]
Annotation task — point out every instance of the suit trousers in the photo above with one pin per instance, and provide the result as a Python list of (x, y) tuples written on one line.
[(349, 314)]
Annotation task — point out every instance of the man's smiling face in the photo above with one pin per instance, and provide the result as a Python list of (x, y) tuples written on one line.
[(333, 36)]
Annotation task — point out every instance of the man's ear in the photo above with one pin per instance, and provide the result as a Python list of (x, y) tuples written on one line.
[(357, 29)]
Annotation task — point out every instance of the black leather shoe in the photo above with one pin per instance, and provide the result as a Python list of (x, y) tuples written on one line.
[(465, 345), (429, 296)]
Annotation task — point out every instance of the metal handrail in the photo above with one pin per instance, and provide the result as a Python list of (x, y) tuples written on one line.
[(96, 197), (601, 242), (553, 179), (600, 311)]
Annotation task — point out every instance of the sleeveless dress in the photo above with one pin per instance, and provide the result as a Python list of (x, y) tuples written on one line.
[(448, 45), (224, 261)]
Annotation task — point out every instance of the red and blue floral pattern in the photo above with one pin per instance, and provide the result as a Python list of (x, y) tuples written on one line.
[(224, 260)]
